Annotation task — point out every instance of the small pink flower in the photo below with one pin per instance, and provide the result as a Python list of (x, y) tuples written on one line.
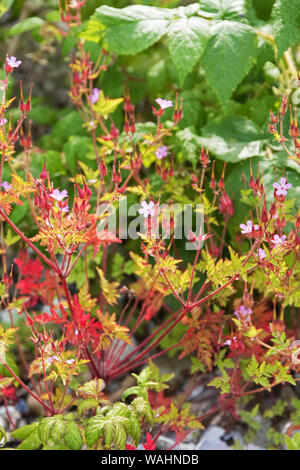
[(59, 195), (147, 209), (243, 313), (282, 187), (3, 121), (261, 254), (278, 241), (95, 95), (12, 63), (161, 152), (6, 186), (248, 228), (164, 104)]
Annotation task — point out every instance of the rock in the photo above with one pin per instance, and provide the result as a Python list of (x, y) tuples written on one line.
[(215, 438), (3, 423), (211, 439), (165, 442), (22, 406), (34, 406)]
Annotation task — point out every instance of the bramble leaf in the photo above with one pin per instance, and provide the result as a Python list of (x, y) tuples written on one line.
[(187, 39), (286, 26), (229, 56)]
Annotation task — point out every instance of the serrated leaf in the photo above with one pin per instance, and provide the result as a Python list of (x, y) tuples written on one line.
[(229, 56), (94, 429), (57, 430), (130, 30), (143, 408), (233, 138), (286, 15), (222, 9), (44, 429), (73, 437), (25, 431), (187, 38), (104, 106), (31, 442)]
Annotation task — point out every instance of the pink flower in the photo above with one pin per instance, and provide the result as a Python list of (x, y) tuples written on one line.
[(164, 104), (147, 209), (248, 228), (95, 95), (281, 188), (59, 195), (243, 313), (261, 254), (3, 121), (6, 186), (161, 152), (278, 241), (12, 63)]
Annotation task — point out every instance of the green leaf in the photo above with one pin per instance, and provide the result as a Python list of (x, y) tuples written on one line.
[(286, 14), (76, 148), (187, 38), (11, 237), (3, 437), (229, 56), (94, 429), (10, 361), (132, 29), (73, 437), (57, 431), (294, 442), (233, 138), (105, 106), (190, 144), (31, 442), (25, 25), (44, 429), (25, 431), (222, 9)]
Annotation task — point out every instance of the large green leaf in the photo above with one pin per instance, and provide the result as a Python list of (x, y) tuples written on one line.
[(187, 38), (233, 138), (134, 28), (286, 14), (229, 56), (223, 9), (25, 25)]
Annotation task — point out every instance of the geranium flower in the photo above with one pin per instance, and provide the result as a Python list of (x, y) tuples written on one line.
[(59, 195), (282, 187), (95, 95), (161, 152), (12, 63), (6, 186), (243, 313), (261, 254), (147, 209), (249, 227), (164, 104), (278, 241)]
